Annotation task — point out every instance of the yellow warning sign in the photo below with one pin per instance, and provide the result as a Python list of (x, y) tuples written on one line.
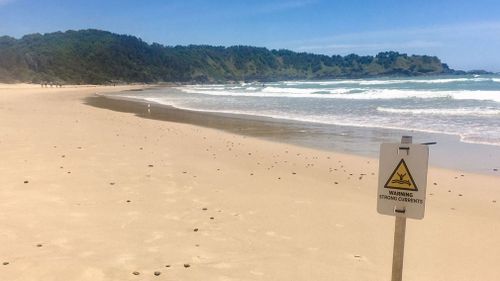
[(401, 178)]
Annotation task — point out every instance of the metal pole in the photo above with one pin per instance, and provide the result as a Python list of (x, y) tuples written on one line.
[(399, 238)]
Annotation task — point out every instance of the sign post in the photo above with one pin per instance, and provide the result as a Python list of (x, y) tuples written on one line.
[(401, 190)]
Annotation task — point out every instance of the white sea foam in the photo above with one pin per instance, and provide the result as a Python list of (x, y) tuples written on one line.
[(391, 81), (476, 111), (270, 92), (349, 93)]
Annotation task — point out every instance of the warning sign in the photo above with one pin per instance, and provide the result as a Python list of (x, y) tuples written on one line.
[(401, 178)]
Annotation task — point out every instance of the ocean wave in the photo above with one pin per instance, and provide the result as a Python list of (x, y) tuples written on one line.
[(477, 111), (361, 122), (349, 93), (391, 81), (274, 92)]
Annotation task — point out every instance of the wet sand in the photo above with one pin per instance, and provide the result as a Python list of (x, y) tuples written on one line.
[(449, 152), (94, 194)]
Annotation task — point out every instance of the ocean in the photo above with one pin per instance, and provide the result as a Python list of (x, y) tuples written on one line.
[(465, 108)]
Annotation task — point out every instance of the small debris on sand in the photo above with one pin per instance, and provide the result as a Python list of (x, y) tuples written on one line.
[(150, 165), (204, 209), (136, 273), (26, 181), (195, 230), (39, 245), (5, 263), (186, 265), (168, 265), (157, 273)]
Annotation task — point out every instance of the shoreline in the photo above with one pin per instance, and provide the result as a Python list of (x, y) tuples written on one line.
[(363, 141)]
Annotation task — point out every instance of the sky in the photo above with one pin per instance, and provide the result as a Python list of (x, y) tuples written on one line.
[(463, 34)]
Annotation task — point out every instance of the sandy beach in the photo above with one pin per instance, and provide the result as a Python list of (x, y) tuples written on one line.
[(95, 194)]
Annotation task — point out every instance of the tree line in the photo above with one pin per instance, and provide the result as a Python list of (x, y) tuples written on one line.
[(99, 57)]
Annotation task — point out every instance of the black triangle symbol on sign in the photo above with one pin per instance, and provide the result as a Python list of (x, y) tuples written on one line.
[(401, 178)]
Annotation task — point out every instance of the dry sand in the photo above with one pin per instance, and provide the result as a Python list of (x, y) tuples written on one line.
[(93, 194)]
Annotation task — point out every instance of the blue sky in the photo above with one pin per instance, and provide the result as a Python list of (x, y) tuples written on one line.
[(464, 34)]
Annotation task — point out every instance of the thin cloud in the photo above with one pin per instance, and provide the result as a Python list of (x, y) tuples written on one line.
[(5, 2), (448, 30), (369, 46), (423, 38), (285, 5)]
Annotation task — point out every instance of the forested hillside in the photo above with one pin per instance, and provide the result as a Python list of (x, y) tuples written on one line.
[(94, 56)]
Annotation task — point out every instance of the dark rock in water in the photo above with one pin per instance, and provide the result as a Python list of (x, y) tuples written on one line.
[(186, 265), (496, 170), (157, 273), (136, 273)]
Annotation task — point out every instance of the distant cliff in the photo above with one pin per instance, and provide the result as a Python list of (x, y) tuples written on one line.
[(94, 56)]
